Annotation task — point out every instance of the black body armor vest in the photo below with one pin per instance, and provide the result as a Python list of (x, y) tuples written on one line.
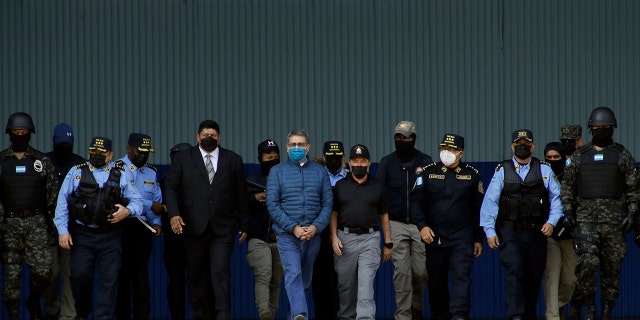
[(23, 184), (524, 202), (92, 204), (599, 175)]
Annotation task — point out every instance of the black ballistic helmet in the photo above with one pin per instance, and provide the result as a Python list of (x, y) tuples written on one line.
[(602, 116), (20, 120)]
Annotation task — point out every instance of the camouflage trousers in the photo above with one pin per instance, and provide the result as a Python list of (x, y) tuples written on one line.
[(24, 240), (599, 246)]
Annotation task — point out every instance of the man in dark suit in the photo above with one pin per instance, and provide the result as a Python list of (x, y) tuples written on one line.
[(206, 201)]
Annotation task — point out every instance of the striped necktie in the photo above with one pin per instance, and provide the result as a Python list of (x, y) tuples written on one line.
[(210, 171)]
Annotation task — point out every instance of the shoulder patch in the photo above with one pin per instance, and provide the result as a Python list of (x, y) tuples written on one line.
[(150, 166), (498, 167), (472, 168)]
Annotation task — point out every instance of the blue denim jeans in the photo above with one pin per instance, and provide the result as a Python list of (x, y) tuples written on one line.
[(297, 258)]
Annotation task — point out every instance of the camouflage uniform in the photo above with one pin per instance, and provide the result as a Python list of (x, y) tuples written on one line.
[(599, 238), (24, 239)]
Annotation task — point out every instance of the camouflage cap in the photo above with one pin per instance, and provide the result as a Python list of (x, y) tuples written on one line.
[(406, 128), (571, 132)]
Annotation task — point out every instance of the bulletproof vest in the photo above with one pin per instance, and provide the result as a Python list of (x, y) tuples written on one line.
[(23, 183), (525, 202), (92, 204), (599, 175)]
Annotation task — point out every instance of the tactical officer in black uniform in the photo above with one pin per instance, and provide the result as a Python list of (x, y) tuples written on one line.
[(446, 208), (520, 209), (28, 189), (90, 205)]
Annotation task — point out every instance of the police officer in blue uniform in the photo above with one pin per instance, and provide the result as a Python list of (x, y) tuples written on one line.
[(133, 279), (91, 205), (519, 211), (446, 209)]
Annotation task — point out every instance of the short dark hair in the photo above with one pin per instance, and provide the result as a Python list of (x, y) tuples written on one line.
[(208, 124), (298, 132)]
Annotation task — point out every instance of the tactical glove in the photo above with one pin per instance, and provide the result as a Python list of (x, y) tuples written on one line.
[(570, 219), (627, 222)]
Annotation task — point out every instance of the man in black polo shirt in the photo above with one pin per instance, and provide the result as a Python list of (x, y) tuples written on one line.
[(359, 207)]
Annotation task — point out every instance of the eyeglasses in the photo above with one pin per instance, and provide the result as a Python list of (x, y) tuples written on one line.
[(297, 144)]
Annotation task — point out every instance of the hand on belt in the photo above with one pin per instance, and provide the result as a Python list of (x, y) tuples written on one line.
[(358, 230)]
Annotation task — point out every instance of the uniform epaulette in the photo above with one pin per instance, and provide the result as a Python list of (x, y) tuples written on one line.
[(498, 166), (429, 165), (119, 165), (82, 165), (152, 167), (544, 162), (472, 168)]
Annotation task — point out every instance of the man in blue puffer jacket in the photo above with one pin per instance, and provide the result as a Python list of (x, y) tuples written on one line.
[(299, 199)]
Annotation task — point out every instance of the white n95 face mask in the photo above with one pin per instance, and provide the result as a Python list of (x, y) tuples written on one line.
[(447, 157)]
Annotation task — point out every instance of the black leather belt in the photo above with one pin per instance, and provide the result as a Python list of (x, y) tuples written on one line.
[(522, 226), (358, 230), (23, 213), (102, 229)]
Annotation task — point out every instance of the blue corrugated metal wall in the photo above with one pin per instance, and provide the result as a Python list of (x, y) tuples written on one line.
[(343, 69)]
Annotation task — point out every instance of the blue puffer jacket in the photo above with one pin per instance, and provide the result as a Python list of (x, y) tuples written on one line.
[(299, 195)]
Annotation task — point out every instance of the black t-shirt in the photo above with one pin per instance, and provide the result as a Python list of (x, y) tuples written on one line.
[(359, 205)]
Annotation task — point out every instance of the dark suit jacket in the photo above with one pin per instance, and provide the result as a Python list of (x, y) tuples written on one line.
[(222, 204)]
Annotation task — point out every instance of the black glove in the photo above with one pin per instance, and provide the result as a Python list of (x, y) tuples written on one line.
[(570, 220), (627, 222)]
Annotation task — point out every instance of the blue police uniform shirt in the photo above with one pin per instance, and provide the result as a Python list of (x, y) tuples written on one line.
[(490, 204), (146, 181), (70, 185), (334, 178)]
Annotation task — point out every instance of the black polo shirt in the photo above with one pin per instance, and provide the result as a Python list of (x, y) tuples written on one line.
[(359, 205)]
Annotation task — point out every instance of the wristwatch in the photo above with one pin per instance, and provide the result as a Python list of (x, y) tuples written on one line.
[(388, 245)]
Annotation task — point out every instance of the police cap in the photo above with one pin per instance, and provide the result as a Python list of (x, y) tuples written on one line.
[(101, 144), (571, 132), (522, 134), (359, 151), (333, 148), (140, 141), (452, 140)]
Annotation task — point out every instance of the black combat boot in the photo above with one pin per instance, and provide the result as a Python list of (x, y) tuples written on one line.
[(607, 309), (12, 309), (34, 307)]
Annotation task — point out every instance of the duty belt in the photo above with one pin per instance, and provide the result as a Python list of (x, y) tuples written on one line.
[(522, 226), (358, 231), (23, 213)]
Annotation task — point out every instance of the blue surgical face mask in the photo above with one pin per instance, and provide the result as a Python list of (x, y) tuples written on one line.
[(297, 153)]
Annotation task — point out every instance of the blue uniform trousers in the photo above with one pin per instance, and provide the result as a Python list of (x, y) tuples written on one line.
[(90, 252)]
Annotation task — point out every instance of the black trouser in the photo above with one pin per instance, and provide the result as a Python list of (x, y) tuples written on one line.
[(325, 280), (91, 251), (524, 254), (208, 257), (175, 263), (454, 260), (133, 279)]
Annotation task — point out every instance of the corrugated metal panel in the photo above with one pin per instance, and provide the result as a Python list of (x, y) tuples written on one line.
[(340, 69)]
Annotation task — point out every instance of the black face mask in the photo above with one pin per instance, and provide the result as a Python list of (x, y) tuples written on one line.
[(405, 149), (98, 160), (209, 143), (359, 171), (602, 137), (63, 151), (19, 143), (569, 146), (557, 166), (139, 160), (522, 151), (334, 164), (266, 166)]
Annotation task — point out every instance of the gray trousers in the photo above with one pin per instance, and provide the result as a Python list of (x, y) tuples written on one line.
[(60, 270), (356, 269), (264, 260)]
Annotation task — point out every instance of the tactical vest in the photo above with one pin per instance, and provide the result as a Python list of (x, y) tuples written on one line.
[(92, 204), (524, 202), (599, 175), (23, 183)]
